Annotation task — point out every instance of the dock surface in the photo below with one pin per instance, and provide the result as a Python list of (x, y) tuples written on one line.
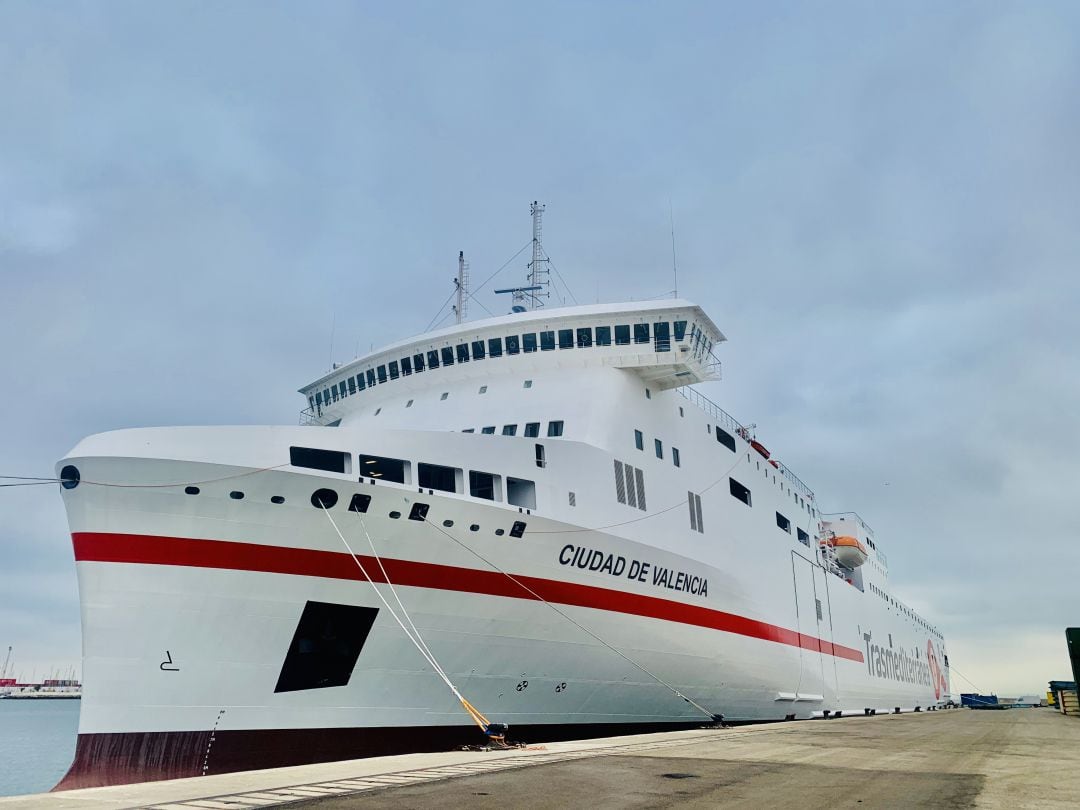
[(1015, 759)]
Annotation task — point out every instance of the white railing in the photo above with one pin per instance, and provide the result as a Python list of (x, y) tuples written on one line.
[(732, 425)]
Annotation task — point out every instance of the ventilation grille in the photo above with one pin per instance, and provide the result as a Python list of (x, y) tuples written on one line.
[(693, 500), (629, 485)]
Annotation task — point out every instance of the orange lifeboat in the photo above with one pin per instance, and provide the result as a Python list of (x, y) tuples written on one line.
[(850, 553), (759, 447), (775, 463)]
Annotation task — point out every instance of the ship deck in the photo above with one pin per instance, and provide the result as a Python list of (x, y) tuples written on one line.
[(958, 758)]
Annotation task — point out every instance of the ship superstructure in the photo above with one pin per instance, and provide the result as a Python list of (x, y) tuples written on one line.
[(579, 536)]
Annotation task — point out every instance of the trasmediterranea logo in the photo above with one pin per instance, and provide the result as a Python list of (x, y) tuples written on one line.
[(936, 675)]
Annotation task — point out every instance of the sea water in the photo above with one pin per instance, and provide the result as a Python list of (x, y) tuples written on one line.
[(37, 743)]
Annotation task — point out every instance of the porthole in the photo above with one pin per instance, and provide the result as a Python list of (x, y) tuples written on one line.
[(395, 515), (277, 499), (500, 532), (191, 490), (448, 523), (324, 499), (474, 528), (70, 476), (236, 495)]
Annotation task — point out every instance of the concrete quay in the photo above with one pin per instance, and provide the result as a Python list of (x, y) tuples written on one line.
[(950, 759)]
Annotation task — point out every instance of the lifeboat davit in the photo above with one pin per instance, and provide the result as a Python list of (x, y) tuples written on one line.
[(759, 447), (850, 553)]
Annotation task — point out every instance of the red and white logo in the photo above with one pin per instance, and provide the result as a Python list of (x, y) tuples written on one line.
[(936, 674)]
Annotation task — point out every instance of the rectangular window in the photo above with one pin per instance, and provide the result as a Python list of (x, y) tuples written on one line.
[(485, 485), (641, 333), (521, 492), (360, 381), (675, 457), (584, 337), (406, 365), (478, 350), (509, 430), (528, 342), (725, 439), (334, 393), (341, 389), (532, 429), (383, 469), (680, 331), (739, 491), (566, 338), (783, 523), (513, 344), (489, 430), (662, 336), (495, 347), (394, 370), (371, 378), (447, 355), (314, 459), (639, 440), (658, 446), (433, 358), (382, 374), (555, 428), (435, 476), (603, 336), (463, 352), (352, 385), (541, 458), (547, 341), (418, 362), (622, 335), (318, 398)]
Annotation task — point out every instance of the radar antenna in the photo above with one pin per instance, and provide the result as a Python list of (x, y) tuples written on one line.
[(538, 286)]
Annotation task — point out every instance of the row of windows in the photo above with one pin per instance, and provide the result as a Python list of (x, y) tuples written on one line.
[(532, 429), (911, 614), (659, 334), (658, 448)]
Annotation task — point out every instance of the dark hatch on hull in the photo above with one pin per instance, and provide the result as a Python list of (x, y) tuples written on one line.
[(325, 646)]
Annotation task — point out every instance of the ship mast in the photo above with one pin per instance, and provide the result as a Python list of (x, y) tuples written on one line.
[(462, 285), (539, 278)]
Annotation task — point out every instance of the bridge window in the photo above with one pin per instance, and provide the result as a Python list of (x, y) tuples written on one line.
[(463, 352), (739, 491), (513, 344), (641, 333), (509, 430), (547, 341), (566, 338), (371, 378), (360, 381), (406, 365), (341, 388), (382, 374), (603, 336), (495, 347), (433, 359), (622, 335), (555, 428), (352, 385), (528, 341), (532, 429), (418, 362), (435, 476), (489, 430), (394, 370), (680, 331), (662, 335), (478, 350), (447, 356)]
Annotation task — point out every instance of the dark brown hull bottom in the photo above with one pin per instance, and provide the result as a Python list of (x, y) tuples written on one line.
[(118, 759)]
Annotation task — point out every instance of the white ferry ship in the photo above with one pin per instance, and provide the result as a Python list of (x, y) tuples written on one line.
[(584, 544)]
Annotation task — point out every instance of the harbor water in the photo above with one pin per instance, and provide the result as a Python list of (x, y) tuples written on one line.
[(38, 743)]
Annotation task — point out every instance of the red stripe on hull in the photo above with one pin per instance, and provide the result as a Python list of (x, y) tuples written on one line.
[(226, 554)]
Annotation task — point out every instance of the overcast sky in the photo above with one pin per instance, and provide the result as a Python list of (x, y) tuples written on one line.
[(879, 206)]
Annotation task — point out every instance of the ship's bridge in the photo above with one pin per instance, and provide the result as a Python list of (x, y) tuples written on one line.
[(668, 343)]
